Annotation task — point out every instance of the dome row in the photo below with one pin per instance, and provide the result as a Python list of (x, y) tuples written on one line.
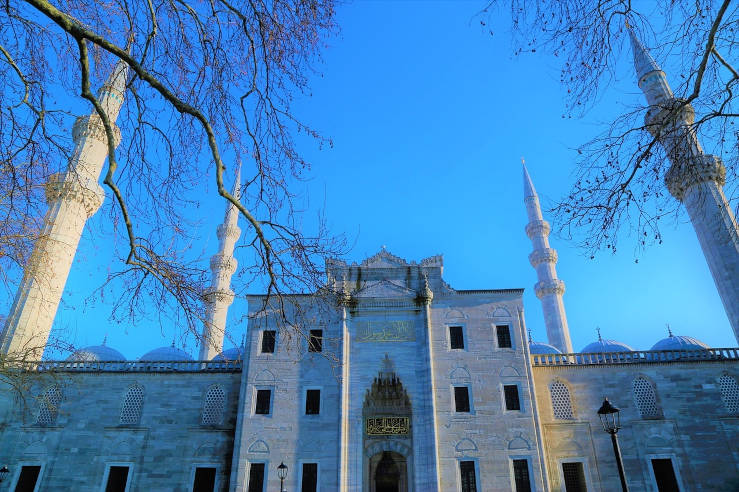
[(673, 342), (99, 353)]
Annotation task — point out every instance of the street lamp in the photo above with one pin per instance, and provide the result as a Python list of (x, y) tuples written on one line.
[(282, 473), (4, 473), (609, 417)]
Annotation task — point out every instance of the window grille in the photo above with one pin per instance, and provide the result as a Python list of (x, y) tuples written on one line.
[(574, 477), (504, 336), (461, 399), (521, 475), (456, 337), (467, 476), (49, 405), (263, 402), (214, 405), (132, 403), (645, 399), (510, 392), (561, 401), (268, 341), (729, 393)]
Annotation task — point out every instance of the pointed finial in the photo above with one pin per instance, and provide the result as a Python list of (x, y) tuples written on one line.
[(669, 331), (531, 340), (243, 337), (597, 329), (172, 342), (626, 23), (528, 185), (105, 339), (523, 161), (384, 248)]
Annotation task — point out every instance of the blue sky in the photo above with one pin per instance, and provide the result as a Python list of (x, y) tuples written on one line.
[(430, 116)]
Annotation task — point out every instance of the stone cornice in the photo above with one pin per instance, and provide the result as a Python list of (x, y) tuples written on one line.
[(538, 256), (213, 296), (537, 228), (59, 188), (700, 169), (548, 287), (92, 126)]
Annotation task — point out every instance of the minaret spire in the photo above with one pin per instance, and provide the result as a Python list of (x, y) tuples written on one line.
[(549, 289), (72, 197), (694, 178), (219, 295)]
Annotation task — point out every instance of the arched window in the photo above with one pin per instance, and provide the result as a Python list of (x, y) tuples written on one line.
[(729, 393), (646, 399), (49, 405), (214, 405), (561, 401), (132, 403)]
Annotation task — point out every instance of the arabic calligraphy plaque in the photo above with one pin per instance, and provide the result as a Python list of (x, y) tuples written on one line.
[(387, 426), (384, 331)]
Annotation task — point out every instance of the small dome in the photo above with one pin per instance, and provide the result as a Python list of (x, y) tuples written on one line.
[(166, 353), (543, 348), (679, 342), (234, 353), (601, 346), (96, 353)]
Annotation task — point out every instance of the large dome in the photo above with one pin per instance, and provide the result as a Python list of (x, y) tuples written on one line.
[(679, 342), (96, 353), (166, 353), (601, 346), (234, 353), (543, 348)]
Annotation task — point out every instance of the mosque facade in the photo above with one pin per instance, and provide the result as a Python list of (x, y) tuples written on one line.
[(398, 383)]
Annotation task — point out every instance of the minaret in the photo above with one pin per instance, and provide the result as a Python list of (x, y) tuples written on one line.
[(694, 178), (72, 198), (219, 295), (549, 288)]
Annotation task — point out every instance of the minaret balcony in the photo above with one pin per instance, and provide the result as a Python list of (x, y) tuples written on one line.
[(538, 256), (549, 287), (92, 126), (699, 169), (538, 228)]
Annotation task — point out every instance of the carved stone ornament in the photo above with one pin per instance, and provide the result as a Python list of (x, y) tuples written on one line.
[(225, 230), (538, 256), (223, 263), (665, 117), (549, 287), (701, 169), (220, 296), (92, 126), (537, 228), (71, 190)]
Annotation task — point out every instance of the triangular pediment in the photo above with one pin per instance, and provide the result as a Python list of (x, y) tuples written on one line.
[(384, 289)]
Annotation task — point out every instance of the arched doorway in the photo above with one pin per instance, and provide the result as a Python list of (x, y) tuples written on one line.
[(388, 472)]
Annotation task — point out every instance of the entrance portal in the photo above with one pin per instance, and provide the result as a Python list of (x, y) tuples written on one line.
[(388, 472)]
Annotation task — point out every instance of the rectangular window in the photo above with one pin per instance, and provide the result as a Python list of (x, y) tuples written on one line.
[(256, 477), (467, 476), (309, 480), (511, 397), (268, 341), (574, 477), (504, 336), (313, 402), (205, 479), (461, 399), (28, 478), (456, 337), (664, 475), (263, 401), (315, 343), (117, 479), (521, 475)]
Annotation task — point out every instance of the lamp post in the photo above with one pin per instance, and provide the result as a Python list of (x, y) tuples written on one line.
[(4, 473), (609, 417), (282, 473)]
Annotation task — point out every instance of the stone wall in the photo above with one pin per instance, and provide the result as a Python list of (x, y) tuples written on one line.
[(162, 449), (691, 427)]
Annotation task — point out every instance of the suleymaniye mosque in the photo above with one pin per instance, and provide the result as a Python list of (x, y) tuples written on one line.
[(403, 382)]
